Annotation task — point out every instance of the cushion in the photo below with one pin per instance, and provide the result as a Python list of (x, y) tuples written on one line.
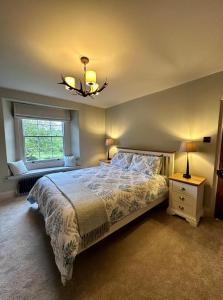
[(147, 164), (69, 161), (18, 167), (122, 160)]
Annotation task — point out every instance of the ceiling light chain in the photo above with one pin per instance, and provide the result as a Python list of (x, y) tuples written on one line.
[(90, 86)]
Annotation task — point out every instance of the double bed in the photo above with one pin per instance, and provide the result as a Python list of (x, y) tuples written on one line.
[(82, 207)]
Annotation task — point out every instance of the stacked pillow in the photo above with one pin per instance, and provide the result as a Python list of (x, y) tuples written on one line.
[(147, 164), (122, 159)]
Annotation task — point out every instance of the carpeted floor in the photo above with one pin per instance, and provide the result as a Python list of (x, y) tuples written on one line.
[(155, 257)]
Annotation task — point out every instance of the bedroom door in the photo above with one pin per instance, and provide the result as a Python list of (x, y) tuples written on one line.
[(219, 195)]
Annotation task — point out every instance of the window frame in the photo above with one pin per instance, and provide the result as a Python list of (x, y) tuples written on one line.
[(20, 144), (47, 159)]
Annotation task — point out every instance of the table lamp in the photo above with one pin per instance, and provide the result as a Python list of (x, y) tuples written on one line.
[(188, 147)]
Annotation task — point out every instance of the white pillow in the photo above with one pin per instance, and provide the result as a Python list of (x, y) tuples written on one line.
[(69, 161), (18, 167), (122, 160), (147, 164)]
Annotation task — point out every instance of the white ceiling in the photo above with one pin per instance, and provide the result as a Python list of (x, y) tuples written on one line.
[(140, 46)]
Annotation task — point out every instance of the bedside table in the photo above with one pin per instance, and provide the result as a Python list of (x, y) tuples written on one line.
[(186, 197), (104, 162)]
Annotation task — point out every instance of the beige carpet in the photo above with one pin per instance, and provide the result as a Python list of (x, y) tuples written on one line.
[(155, 257)]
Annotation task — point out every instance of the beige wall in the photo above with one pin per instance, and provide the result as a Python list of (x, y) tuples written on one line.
[(91, 129), (158, 122), (162, 120)]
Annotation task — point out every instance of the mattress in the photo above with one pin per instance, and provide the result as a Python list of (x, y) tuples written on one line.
[(123, 192)]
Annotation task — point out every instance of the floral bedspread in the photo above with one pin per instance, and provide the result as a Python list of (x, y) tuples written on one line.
[(122, 192)]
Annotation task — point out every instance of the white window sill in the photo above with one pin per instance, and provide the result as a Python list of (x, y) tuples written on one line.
[(41, 172)]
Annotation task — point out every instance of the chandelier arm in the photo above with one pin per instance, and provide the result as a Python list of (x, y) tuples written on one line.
[(98, 89), (63, 81), (103, 86), (80, 91)]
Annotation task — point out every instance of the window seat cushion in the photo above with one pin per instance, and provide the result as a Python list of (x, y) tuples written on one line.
[(41, 172)]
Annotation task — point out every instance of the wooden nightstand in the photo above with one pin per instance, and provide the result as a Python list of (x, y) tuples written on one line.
[(186, 197), (104, 162)]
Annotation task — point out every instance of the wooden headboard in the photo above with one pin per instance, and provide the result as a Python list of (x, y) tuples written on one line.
[(168, 159)]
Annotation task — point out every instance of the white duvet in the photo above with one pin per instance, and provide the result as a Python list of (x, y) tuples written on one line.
[(122, 192)]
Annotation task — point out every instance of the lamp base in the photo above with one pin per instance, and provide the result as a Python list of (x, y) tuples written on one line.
[(108, 157), (187, 176)]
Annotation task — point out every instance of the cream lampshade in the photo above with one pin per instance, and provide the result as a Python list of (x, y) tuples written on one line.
[(188, 146), (90, 77), (109, 142), (70, 80), (94, 87)]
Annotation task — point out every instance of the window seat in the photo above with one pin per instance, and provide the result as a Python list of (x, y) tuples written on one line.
[(42, 172)]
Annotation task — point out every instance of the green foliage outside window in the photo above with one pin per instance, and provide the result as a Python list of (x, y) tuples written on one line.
[(43, 139)]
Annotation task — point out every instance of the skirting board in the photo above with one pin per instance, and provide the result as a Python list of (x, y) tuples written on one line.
[(7, 195)]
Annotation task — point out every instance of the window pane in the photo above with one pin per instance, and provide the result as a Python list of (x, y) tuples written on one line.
[(57, 130), (57, 146), (32, 154), (44, 130), (29, 121), (31, 148), (30, 127), (31, 142), (45, 142), (56, 122), (57, 153), (57, 142), (44, 122), (45, 153)]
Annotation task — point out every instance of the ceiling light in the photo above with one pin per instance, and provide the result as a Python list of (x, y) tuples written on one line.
[(87, 88)]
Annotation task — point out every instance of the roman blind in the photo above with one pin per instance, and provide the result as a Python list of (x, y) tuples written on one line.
[(22, 110)]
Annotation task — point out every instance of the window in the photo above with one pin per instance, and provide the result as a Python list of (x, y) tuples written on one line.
[(43, 139)]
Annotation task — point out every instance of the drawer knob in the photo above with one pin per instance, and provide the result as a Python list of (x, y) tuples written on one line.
[(181, 198), (183, 189), (181, 207)]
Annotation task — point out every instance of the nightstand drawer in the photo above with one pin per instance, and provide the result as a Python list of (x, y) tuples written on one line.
[(185, 189), (183, 208), (183, 199)]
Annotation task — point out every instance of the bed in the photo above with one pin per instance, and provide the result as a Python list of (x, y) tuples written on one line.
[(82, 207)]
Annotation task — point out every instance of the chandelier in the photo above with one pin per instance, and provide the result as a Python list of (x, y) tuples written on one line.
[(87, 88)]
